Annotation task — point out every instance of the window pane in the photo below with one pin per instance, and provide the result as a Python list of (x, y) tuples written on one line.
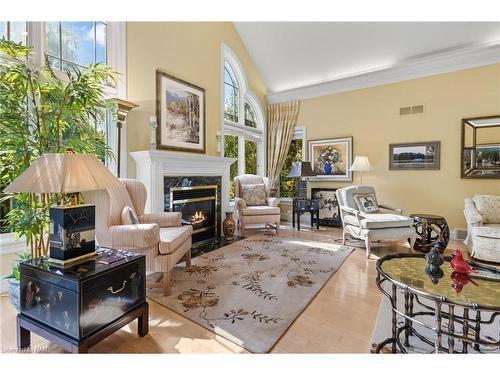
[(55, 63), (250, 157), (230, 103), (289, 186), (231, 95), (100, 40), (231, 151), (52, 38), (78, 42), (3, 30), (18, 32), (250, 116)]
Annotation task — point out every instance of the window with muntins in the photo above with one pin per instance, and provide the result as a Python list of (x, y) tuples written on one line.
[(243, 129), (75, 44), (13, 31)]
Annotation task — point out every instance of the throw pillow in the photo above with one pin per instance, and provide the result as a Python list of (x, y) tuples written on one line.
[(254, 194), (129, 216), (489, 207), (366, 202)]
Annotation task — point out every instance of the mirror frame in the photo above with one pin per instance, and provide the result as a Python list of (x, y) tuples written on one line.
[(469, 173)]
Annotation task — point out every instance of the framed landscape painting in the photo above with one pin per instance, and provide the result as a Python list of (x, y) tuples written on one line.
[(414, 156), (331, 159), (180, 109)]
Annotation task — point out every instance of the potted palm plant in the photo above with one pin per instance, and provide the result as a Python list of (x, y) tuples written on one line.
[(45, 111)]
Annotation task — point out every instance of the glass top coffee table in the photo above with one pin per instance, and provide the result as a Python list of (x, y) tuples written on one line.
[(460, 305)]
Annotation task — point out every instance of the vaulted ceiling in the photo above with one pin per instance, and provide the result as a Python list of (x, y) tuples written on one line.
[(294, 55)]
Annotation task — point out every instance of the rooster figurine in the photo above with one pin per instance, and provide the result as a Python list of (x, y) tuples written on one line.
[(459, 264)]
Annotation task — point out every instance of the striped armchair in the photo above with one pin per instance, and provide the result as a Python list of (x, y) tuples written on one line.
[(159, 236)]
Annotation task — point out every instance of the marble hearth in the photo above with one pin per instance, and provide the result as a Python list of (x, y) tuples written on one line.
[(153, 166)]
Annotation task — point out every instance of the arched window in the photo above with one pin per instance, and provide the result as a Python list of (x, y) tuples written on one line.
[(243, 121)]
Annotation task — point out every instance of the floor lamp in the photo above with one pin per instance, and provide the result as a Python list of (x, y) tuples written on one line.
[(361, 164), (123, 108)]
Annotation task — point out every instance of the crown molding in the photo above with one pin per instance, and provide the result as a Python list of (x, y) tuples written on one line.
[(444, 62)]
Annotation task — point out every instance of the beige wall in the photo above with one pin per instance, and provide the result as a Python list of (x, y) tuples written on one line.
[(371, 116), (189, 51)]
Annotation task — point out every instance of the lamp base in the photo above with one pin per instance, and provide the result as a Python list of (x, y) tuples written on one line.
[(302, 193), (72, 233)]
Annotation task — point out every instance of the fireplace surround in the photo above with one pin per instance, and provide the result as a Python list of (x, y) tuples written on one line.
[(153, 167)]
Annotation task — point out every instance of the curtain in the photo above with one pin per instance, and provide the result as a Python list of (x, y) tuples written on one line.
[(281, 122)]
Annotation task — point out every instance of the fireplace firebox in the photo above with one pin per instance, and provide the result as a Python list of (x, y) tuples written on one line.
[(198, 205)]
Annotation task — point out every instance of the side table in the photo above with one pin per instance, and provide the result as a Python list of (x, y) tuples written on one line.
[(432, 230), (303, 205)]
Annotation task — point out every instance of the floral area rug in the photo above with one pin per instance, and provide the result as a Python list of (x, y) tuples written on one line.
[(251, 291)]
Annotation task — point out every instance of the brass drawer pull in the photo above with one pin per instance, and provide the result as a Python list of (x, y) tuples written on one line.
[(119, 290)]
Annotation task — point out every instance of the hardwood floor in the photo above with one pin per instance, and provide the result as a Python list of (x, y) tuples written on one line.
[(339, 320)]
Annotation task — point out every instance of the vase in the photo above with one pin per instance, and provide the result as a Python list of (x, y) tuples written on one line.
[(228, 226), (327, 168), (14, 292)]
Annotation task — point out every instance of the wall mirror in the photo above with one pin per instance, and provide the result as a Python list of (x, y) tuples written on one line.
[(481, 147)]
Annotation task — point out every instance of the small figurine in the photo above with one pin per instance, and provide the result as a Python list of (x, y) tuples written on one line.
[(459, 264), (434, 258)]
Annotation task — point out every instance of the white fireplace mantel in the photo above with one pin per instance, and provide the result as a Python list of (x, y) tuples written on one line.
[(153, 165)]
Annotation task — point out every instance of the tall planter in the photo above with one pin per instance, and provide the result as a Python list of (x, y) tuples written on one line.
[(14, 291)]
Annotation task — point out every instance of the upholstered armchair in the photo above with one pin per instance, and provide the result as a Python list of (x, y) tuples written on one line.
[(482, 213), (122, 224), (253, 204), (364, 219)]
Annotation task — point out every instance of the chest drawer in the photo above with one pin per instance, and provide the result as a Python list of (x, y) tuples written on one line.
[(111, 294)]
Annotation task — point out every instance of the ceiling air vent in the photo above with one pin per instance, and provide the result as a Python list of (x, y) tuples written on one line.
[(411, 110)]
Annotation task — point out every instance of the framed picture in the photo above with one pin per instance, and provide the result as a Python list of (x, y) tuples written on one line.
[(414, 156), (329, 214), (180, 110), (331, 159)]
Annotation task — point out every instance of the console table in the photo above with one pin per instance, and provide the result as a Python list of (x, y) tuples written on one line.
[(78, 306), (444, 312), (302, 205)]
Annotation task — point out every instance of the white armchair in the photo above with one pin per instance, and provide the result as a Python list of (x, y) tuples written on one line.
[(482, 213), (364, 219), (267, 213)]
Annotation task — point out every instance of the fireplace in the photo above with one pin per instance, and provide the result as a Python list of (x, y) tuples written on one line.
[(198, 205)]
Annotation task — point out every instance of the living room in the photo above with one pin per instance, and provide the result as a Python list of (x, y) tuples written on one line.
[(245, 186)]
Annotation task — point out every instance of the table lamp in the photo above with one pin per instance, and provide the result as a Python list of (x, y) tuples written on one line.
[(361, 164), (301, 169), (72, 227)]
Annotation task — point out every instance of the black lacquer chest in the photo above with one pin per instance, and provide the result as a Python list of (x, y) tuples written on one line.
[(80, 300)]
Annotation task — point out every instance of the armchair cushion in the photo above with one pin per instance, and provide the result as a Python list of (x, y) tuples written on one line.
[(173, 238), (379, 221), (254, 194), (366, 202), (129, 216), (163, 219), (135, 236), (472, 215), (489, 207), (260, 210)]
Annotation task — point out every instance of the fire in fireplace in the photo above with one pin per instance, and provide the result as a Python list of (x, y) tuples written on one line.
[(198, 205)]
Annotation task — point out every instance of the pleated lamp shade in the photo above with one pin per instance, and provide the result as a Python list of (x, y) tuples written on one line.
[(361, 164), (63, 173)]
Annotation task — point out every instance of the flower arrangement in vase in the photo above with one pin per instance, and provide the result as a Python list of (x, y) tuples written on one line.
[(328, 157)]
